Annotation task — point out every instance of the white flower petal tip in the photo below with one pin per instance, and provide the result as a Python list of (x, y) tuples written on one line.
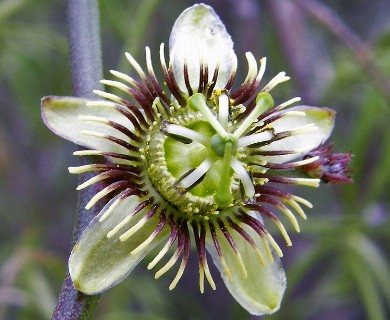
[(66, 117), (198, 37)]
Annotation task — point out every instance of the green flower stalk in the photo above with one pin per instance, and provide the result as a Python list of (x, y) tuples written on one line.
[(191, 158)]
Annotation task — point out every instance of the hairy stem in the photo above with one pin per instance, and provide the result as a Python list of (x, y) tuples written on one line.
[(86, 67)]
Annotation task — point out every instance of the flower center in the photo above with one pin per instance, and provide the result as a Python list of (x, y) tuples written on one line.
[(193, 157)]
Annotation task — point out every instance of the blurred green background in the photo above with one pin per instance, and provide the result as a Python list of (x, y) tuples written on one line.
[(338, 267)]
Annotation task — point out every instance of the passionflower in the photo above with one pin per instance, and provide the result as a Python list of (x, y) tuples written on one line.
[(191, 157)]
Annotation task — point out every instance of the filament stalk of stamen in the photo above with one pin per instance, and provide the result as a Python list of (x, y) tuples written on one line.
[(272, 241), (135, 65), (93, 180), (171, 262), (123, 77), (244, 177), (283, 232), (164, 250), (295, 205), (107, 95), (187, 133), (198, 102), (133, 229), (149, 240), (264, 101), (263, 63), (107, 213), (303, 201), (119, 226), (279, 78), (223, 112), (288, 103), (223, 197), (115, 84), (195, 175), (267, 249), (254, 138), (102, 193)]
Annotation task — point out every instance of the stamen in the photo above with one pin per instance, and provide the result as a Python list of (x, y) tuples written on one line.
[(288, 103), (283, 231), (233, 71), (138, 225), (171, 262), (100, 177), (279, 78), (112, 187), (116, 201), (223, 115), (310, 182), (187, 133), (257, 226), (233, 246), (100, 103), (113, 139), (262, 210), (272, 241), (252, 69), (244, 177), (108, 96), (123, 77), (219, 251), (135, 65), (165, 249), (195, 175), (303, 201), (184, 260), (304, 129), (198, 102), (153, 77), (254, 138), (120, 225), (117, 84), (223, 197), (112, 124), (200, 245), (295, 205), (264, 101), (248, 238), (153, 236), (263, 63), (290, 165), (282, 208)]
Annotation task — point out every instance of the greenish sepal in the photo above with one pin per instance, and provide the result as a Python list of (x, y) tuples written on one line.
[(97, 262), (259, 290)]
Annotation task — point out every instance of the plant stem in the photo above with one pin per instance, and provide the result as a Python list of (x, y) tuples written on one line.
[(86, 68)]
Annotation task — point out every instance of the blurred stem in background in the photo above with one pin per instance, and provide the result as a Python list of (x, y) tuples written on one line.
[(86, 67)]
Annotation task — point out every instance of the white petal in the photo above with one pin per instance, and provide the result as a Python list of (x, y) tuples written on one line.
[(262, 290), (322, 118), (97, 263), (68, 118), (197, 34)]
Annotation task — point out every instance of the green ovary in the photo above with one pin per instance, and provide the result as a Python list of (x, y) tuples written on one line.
[(181, 158)]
